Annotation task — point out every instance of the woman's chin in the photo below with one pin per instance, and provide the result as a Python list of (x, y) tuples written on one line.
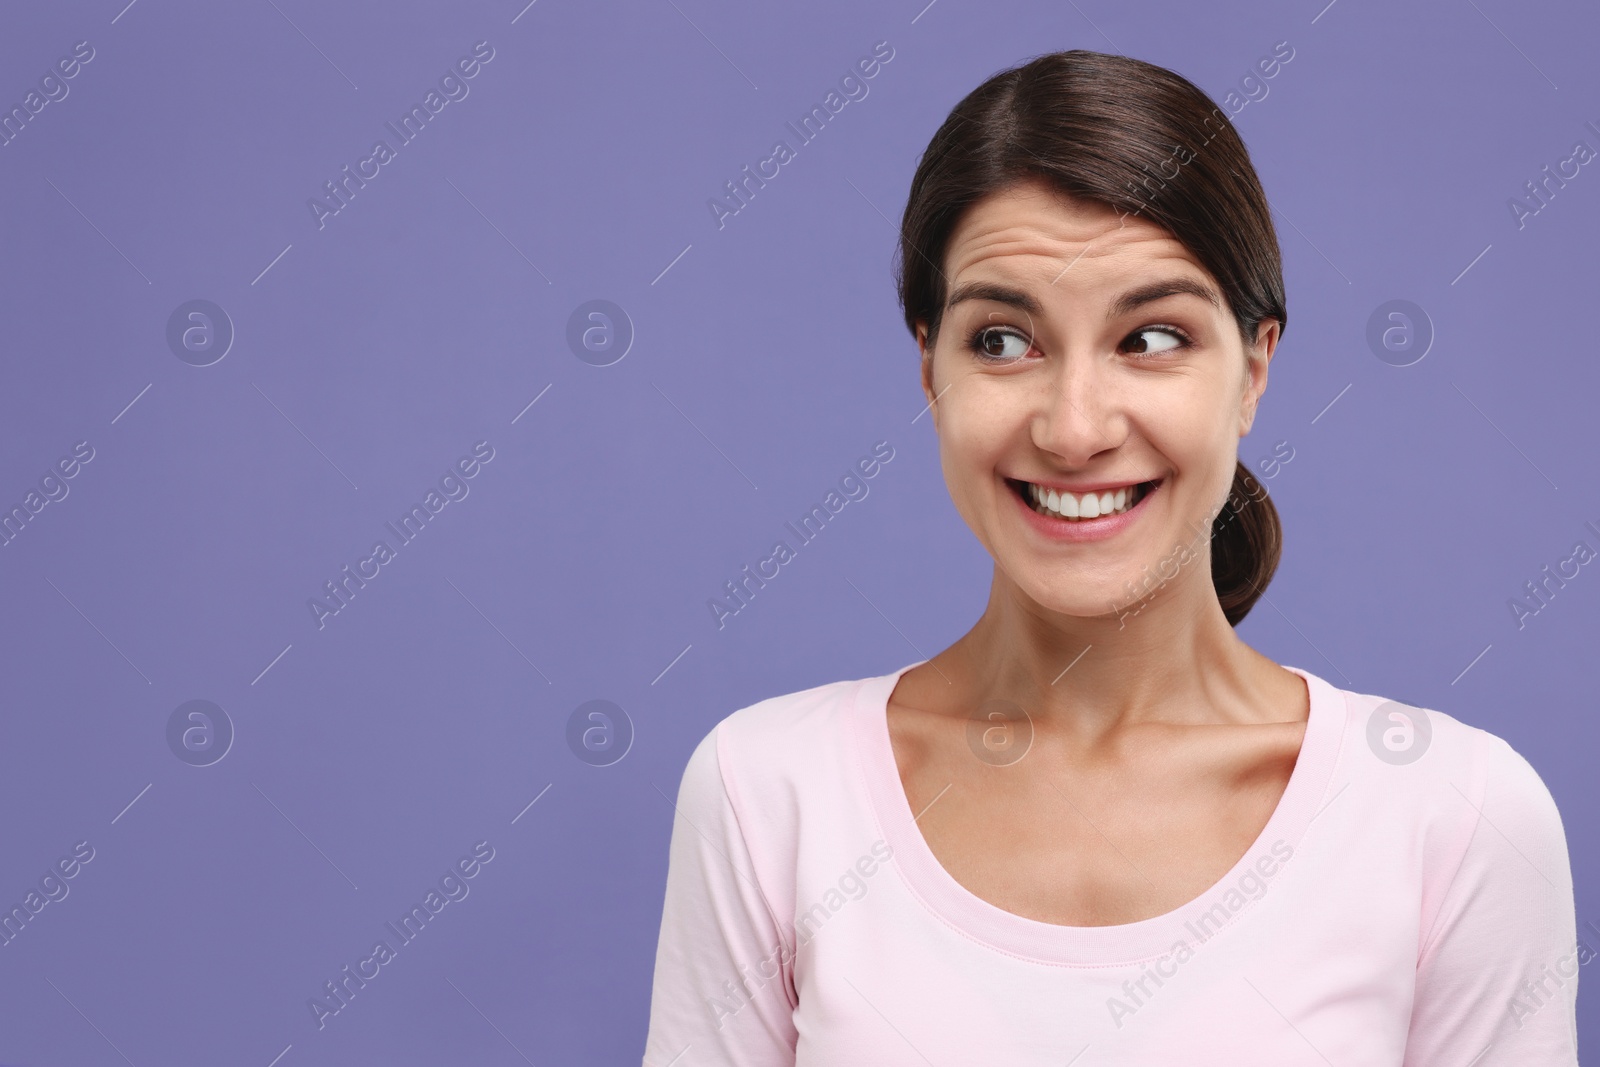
[(1082, 600)]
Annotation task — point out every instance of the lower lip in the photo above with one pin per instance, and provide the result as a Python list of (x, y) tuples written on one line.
[(1075, 530)]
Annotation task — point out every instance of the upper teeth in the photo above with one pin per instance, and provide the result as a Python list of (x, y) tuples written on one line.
[(1082, 506)]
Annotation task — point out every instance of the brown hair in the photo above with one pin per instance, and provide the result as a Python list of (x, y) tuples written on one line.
[(1144, 141)]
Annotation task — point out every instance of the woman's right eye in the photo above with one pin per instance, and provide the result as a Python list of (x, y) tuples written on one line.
[(990, 343)]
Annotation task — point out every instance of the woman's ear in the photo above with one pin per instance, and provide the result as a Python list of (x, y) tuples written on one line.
[(927, 368), (1257, 359)]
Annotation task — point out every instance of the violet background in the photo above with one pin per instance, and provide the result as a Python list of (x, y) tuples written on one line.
[(768, 356)]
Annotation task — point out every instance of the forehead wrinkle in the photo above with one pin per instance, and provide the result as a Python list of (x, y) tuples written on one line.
[(1044, 217), (1020, 241), (1030, 243), (1059, 251), (1150, 279)]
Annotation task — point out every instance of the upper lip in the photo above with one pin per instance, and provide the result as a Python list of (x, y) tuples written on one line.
[(1079, 489)]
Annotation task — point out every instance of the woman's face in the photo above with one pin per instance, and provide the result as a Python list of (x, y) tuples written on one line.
[(1060, 363)]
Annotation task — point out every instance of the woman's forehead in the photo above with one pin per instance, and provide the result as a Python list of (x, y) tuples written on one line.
[(1038, 233)]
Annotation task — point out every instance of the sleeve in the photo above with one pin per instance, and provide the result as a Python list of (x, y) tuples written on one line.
[(723, 987), (1497, 977)]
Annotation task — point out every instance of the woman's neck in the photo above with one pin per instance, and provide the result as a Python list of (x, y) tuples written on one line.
[(1171, 658)]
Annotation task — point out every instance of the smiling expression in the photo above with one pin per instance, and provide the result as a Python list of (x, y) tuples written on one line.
[(1085, 361)]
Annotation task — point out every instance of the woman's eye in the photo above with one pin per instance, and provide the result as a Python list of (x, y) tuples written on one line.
[(994, 342), (1166, 340)]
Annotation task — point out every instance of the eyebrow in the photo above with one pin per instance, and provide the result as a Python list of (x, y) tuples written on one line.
[(1129, 301)]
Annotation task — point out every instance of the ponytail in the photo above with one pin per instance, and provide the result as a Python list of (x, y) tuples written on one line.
[(1246, 542)]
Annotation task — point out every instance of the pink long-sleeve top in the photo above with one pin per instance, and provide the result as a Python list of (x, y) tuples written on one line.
[(1409, 902)]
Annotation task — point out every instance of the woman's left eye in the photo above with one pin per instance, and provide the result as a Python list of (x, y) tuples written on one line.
[(999, 344), (1171, 337)]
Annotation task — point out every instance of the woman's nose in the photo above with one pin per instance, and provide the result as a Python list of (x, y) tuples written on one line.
[(1076, 414)]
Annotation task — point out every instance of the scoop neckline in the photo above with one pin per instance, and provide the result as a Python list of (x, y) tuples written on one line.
[(1090, 946)]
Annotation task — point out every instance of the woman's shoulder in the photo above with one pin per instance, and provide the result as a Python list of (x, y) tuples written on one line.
[(1401, 733), (784, 740), (1466, 774)]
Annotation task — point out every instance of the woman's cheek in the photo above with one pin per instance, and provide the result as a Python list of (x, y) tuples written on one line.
[(973, 439), (967, 455)]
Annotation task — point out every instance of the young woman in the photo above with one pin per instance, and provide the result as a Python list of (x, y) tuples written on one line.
[(1100, 828)]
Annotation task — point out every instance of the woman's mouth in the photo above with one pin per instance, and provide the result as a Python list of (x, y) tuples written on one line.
[(1078, 507)]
